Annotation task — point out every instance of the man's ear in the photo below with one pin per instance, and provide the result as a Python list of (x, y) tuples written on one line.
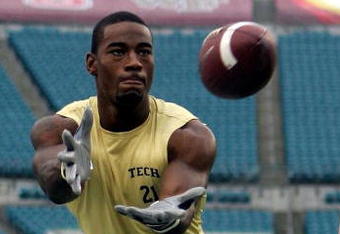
[(91, 63)]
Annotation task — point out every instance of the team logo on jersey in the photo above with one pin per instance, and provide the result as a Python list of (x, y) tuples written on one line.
[(143, 171), (60, 4)]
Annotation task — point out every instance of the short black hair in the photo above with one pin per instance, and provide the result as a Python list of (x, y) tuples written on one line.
[(117, 17)]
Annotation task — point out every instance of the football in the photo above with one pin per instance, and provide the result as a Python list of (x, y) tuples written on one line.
[(237, 60)]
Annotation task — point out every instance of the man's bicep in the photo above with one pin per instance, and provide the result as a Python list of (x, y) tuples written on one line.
[(47, 130), (191, 154)]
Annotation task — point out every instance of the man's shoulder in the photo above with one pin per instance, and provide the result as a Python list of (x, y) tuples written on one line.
[(193, 141), (170, 109), (75, 110), (80, 103), (195, 129)]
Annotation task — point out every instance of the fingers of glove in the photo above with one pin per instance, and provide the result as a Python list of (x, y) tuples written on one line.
[(83, 132), (66, 156), (161, 226), (133, 212), (175, 213), (121, 209), (155, 226), (70, 173), (167, 217), (76, 185), (190, 195), (68, 140), (148, 216)]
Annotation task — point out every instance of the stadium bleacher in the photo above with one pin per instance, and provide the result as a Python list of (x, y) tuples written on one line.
[(40, 219), (31, 193), (310, 85), (16, 120), (320, 222), (228, 196), (332, 197), (57, 67), (238, 221)]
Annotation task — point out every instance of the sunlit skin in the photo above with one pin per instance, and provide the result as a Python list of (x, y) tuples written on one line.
[(123, 66)]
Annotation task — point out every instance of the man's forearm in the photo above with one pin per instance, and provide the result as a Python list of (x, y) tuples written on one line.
[(47, 170)]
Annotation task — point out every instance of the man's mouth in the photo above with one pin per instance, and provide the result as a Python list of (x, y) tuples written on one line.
[(132, 80)]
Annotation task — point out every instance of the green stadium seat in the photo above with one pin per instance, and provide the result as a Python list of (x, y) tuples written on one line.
[(228, 196), (40, 219), (16, 120), (238, 221), (32, 193), (321, 222), (309, 76)]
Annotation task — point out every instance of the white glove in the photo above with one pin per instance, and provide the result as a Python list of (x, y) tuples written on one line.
[(76, 159), (165, 214)]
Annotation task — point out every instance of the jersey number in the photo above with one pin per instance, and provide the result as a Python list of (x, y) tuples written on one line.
[(150, 194)]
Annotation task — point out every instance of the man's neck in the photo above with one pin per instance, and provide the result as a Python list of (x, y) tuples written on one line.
[(122, 119)]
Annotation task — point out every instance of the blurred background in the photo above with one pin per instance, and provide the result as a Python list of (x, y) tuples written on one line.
[(278, 162)]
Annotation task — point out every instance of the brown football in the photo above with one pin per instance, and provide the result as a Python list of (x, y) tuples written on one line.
[(237, 60)]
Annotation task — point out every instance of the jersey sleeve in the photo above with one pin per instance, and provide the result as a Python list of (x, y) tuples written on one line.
[(74, 110)]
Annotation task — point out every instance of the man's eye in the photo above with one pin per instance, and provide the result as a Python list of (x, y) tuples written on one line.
[(144, 52), (117, 52)]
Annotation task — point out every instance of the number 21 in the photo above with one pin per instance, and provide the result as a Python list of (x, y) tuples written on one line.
[(147, 197)]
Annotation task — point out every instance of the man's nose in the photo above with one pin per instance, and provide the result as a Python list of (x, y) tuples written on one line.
[(133, 62)]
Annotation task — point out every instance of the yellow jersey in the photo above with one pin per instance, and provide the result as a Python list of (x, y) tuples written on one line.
[(128, 168)]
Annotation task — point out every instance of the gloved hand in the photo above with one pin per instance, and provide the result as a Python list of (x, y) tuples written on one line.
[(75, 160), (165, 214)]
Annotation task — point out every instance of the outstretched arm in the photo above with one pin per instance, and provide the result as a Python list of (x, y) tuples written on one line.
[(191, 153), (70, 162), (46, 139)]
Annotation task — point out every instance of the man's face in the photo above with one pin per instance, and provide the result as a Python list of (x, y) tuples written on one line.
[(124, 63)]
